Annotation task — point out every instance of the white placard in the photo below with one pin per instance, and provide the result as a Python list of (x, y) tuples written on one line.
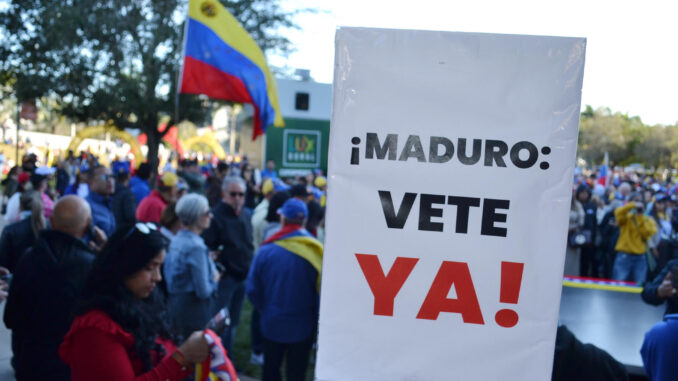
[(451, 161)]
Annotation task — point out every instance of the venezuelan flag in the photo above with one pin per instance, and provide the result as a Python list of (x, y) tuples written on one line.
[(222, 61)]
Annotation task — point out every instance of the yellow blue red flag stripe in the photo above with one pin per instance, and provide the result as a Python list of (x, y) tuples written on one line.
[(222, 61)]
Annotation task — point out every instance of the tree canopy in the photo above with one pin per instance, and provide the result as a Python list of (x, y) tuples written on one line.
[(626, 139), (115, 61)]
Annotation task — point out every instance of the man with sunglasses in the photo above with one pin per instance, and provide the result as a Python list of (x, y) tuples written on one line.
[(101, 186), (231, 235)]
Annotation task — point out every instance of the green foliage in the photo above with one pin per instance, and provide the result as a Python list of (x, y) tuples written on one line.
[(626, 139), (115, 61)]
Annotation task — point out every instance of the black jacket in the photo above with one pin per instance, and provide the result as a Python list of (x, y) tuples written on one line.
[(575, 361), (16, 238), (235, 234), (39, 310), (649, 294), (124, 206)]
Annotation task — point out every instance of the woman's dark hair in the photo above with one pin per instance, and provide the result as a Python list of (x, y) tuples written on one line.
[(144, 171), (169, 216), (128, 251), (276, 203), (14, 170)]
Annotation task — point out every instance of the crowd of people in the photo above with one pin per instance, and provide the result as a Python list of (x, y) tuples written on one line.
[(108, 276), (623, 231), (627, 231), (111, 274)]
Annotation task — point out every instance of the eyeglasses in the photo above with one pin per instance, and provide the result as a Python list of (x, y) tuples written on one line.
[(238, 194), (105, 177), (143, 227)]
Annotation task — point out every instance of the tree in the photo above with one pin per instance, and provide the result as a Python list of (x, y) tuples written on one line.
[(116, 61)]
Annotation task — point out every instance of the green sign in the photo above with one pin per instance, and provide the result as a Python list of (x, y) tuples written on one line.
[(301, 149)]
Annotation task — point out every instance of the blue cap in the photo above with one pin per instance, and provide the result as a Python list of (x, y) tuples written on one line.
[(659, 197), (294, 209), (120, 168)]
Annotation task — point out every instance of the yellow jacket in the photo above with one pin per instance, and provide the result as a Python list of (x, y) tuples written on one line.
[(634, 229)]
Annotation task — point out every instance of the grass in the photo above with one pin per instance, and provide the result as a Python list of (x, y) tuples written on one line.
[(243, 348)]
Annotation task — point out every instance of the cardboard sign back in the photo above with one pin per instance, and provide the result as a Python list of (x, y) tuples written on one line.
[(451, 162)]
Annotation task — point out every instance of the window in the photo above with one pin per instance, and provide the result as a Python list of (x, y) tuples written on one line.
[(301, 101)]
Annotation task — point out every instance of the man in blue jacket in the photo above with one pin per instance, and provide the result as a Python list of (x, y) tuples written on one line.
[(283, 285), (101, 186), (659, 350)]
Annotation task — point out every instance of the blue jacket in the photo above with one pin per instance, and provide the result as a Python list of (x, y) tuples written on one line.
[(283, 288), (140, 188), (102, 214), (659, 350), (188, 267)]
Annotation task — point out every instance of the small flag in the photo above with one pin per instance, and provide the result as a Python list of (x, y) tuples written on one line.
[(604, 177)]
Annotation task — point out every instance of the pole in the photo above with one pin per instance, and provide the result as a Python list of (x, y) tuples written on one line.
[(18, 121), (231, 132)]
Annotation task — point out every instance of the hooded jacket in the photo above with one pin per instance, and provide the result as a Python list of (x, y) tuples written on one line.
[(39, 311)]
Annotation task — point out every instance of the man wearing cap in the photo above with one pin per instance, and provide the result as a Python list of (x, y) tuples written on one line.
[(150, 208), (283, 286), (124, 203), (101, 186), (191, 173)]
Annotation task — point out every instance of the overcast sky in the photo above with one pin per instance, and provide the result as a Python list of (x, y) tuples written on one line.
[(631, 55)]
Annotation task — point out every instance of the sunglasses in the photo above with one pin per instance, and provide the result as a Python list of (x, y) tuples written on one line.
[(143, 227), (238, 194)]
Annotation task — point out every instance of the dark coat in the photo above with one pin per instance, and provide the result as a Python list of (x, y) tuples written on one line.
[(124, 206), (575, 361), (39, 311), (650, 296), (16, 238), (235, 234)]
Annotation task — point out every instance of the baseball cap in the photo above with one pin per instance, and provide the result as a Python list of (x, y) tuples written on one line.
[(320, 181), (120, 168), (45, 170), (168, 179), (659, 197), (267, 186), (294, 209)]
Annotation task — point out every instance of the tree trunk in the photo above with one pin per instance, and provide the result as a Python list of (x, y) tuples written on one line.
[(152, 156)]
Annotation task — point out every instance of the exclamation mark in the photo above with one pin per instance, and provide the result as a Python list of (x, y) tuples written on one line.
[(511, 277)]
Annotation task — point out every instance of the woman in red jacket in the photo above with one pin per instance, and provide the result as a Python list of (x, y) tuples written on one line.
[(121, 331)]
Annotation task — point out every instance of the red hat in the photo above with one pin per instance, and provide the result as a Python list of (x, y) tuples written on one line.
[(24, 177)]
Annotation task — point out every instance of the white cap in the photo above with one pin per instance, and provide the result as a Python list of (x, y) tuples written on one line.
[(45, 170)]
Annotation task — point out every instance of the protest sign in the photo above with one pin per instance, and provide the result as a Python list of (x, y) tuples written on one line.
[(451, 162)]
